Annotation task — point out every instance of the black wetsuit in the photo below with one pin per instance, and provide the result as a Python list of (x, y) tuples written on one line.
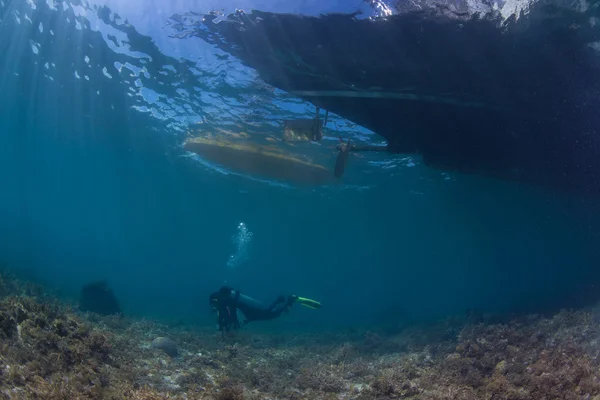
[(227, 301)]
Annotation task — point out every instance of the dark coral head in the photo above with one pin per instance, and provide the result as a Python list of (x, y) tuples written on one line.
[(99, 298)]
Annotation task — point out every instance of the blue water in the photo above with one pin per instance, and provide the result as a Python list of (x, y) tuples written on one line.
[(95, 185)]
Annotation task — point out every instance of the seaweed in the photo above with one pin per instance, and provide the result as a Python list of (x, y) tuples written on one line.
[(49, 350)]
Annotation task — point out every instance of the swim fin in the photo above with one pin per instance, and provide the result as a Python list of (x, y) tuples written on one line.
[(307, 302)]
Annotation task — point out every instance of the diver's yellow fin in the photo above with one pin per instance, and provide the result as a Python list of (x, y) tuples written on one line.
[(308, 302)]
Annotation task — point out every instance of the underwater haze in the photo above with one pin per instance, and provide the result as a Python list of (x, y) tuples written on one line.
[(97, 101)]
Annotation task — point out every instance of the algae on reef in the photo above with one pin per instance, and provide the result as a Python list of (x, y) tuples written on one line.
[(50, 351)]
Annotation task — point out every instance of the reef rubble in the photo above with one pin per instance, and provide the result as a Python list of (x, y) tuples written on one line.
[(51, 350)]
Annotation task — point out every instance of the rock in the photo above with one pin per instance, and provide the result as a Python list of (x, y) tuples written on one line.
[(165, 344)]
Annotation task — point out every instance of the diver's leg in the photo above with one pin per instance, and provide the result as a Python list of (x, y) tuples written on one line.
[(279, 300), (285, 301), (281, 304), (278, 309)]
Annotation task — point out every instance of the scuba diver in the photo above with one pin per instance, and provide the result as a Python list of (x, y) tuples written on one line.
[(227, 301)]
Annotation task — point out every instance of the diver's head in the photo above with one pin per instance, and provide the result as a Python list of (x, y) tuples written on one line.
[(221, 298), (225, 290)]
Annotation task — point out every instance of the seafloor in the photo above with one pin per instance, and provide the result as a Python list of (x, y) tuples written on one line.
[(52, 351)]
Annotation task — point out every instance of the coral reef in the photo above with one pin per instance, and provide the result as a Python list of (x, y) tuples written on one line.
[(52, 351), (99, 298)]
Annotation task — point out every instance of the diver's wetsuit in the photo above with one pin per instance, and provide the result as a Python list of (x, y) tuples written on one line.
[(227, 301)]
